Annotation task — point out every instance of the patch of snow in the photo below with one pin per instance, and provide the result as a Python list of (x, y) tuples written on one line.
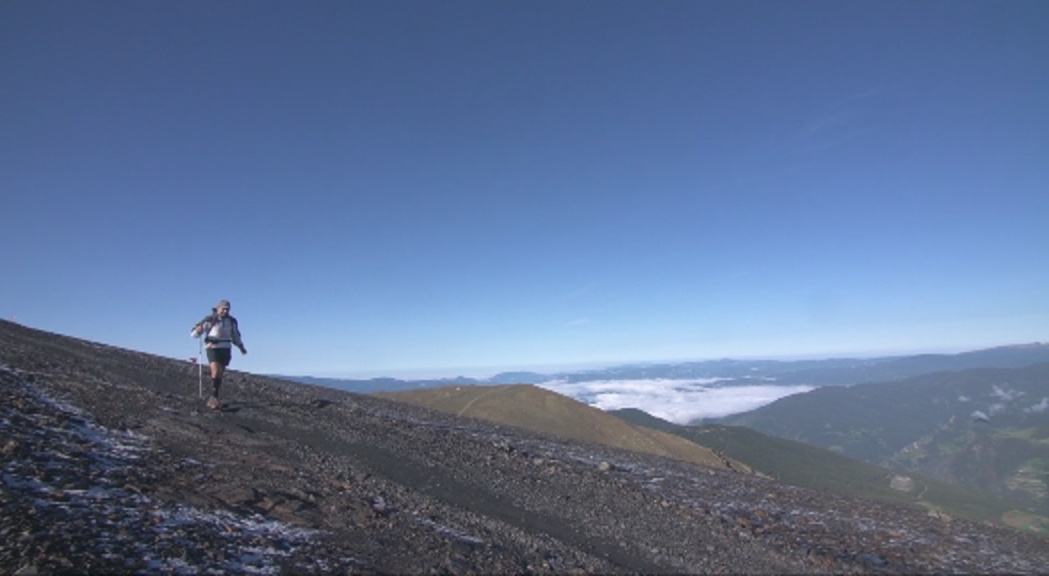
[(76, 471)]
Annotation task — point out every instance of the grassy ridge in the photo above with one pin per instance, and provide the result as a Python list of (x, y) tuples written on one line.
[(533, 408)]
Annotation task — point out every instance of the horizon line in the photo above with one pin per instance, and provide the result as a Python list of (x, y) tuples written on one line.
[(552, 369)]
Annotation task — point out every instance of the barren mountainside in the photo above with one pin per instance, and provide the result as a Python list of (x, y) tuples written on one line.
[(111, 463)]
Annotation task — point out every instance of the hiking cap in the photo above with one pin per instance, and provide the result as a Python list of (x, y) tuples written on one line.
[(222, 304)]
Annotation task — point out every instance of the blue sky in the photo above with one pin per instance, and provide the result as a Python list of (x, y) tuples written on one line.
[(439, 188)]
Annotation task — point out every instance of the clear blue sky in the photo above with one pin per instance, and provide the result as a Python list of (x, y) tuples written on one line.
[(432, 188)]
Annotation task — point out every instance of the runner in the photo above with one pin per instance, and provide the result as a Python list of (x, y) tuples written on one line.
[(220, 332)]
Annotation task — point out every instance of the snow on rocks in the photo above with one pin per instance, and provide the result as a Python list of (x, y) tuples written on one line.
[(81, 484)]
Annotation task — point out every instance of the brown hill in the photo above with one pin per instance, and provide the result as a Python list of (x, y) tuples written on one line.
[(111, 464), (534, 408)]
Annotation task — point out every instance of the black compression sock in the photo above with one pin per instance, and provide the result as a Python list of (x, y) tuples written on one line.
[(216, 383)]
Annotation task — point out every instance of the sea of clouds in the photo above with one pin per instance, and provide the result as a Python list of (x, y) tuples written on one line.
[(678, 401)]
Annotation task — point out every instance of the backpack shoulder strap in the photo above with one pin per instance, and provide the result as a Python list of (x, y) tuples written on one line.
[(210, 320)]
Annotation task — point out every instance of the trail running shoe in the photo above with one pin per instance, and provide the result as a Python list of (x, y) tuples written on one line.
[(214, 403)]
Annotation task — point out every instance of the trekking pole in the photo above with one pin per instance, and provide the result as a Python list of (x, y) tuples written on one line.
[(200, 366)]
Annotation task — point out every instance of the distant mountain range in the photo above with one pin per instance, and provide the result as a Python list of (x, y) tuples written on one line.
[(825, 372), (984, 428)]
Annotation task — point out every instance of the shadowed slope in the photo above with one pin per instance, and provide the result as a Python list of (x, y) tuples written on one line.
[(534, 408), (821, 469), (983, 428)]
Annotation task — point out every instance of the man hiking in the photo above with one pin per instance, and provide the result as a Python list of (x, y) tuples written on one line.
[(220, 332)]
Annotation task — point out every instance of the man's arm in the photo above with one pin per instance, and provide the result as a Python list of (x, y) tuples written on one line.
[(201, 327), (235, 336)]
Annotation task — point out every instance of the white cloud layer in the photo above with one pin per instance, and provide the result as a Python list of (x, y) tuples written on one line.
[(1040, 407), (1006, 394), (678, 401)]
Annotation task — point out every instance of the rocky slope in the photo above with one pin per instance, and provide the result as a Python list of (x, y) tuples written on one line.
[(112, 464)]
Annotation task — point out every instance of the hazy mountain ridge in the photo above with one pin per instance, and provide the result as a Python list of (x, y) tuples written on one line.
[(898, 367), (821, 372), (985, 428)]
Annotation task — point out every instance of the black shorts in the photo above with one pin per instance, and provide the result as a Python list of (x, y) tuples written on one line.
[(220, 355)]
